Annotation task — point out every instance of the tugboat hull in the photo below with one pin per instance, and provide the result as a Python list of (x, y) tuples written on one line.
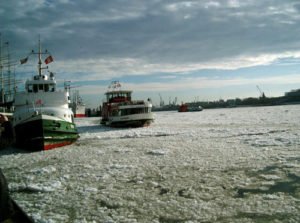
[(41, 133)]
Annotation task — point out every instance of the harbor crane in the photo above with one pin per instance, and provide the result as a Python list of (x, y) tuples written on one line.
[(161, 102), (262, 94)]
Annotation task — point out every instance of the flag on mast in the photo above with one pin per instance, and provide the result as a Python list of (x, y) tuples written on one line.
[(22, 61), (49, 59)]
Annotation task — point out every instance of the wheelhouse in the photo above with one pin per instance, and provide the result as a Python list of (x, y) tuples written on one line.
[(118, 96), (41, 84)]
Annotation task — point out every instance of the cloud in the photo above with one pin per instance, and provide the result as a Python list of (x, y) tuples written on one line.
[(102, 69), (103, 40), (195, 84), (153, 31)]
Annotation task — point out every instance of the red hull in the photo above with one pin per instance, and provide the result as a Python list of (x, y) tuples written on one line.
[(55, 145), (79, 115), (183, 108)]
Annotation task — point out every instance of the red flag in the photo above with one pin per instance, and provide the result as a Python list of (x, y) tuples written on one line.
[(49, 59)]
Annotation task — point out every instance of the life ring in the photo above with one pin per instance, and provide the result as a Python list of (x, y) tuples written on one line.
[(3, 118)]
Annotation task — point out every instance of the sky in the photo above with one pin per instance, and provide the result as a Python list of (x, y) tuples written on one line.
[(177, 50)]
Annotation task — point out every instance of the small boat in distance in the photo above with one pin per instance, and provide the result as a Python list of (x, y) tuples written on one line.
[(120, 111), (77, 105), (187, 108), (42, 119)]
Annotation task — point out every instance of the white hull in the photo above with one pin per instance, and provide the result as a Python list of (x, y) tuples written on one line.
[(78, 110), (132, 115), (28, 114), (131, 120), (54, 104)]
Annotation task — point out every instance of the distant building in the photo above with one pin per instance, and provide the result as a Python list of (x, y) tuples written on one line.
[(293, 93)]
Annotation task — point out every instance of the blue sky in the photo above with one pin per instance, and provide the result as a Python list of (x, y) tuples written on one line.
[(192, 50)]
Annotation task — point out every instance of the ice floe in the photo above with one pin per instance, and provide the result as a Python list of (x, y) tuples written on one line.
[(219, 165)]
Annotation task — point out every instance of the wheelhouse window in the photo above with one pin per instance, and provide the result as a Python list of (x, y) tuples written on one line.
[(40, 87), (30, 88), (52, 87), (46, 87), (118, 96), (35, 88)]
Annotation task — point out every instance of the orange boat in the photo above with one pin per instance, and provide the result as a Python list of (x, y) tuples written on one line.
[(186, 108)]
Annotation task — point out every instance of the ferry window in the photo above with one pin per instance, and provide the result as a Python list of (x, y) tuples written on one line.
[(35, 88), (41, 87), (115, 113), (46, 87), (125, 112)]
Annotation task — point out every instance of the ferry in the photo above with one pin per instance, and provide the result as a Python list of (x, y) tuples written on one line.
[(119, 110), (42, 119)]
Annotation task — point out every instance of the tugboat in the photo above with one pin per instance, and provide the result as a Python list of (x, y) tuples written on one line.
[(120, 111), (42, 119)]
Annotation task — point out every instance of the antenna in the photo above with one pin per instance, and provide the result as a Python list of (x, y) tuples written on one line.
[(40, 53), (40, 56)]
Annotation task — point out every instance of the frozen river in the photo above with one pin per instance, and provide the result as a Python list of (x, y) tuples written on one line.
[(222, 165)]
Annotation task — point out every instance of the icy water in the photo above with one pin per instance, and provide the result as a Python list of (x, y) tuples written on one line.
[(222, 165)]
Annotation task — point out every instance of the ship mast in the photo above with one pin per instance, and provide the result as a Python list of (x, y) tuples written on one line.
[(40, 53), (1, 71), (40, 58), (9, 73), (7, 80)]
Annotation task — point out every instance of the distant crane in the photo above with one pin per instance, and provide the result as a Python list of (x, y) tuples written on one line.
[(161, 102), (175, 101), (262, 94)]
